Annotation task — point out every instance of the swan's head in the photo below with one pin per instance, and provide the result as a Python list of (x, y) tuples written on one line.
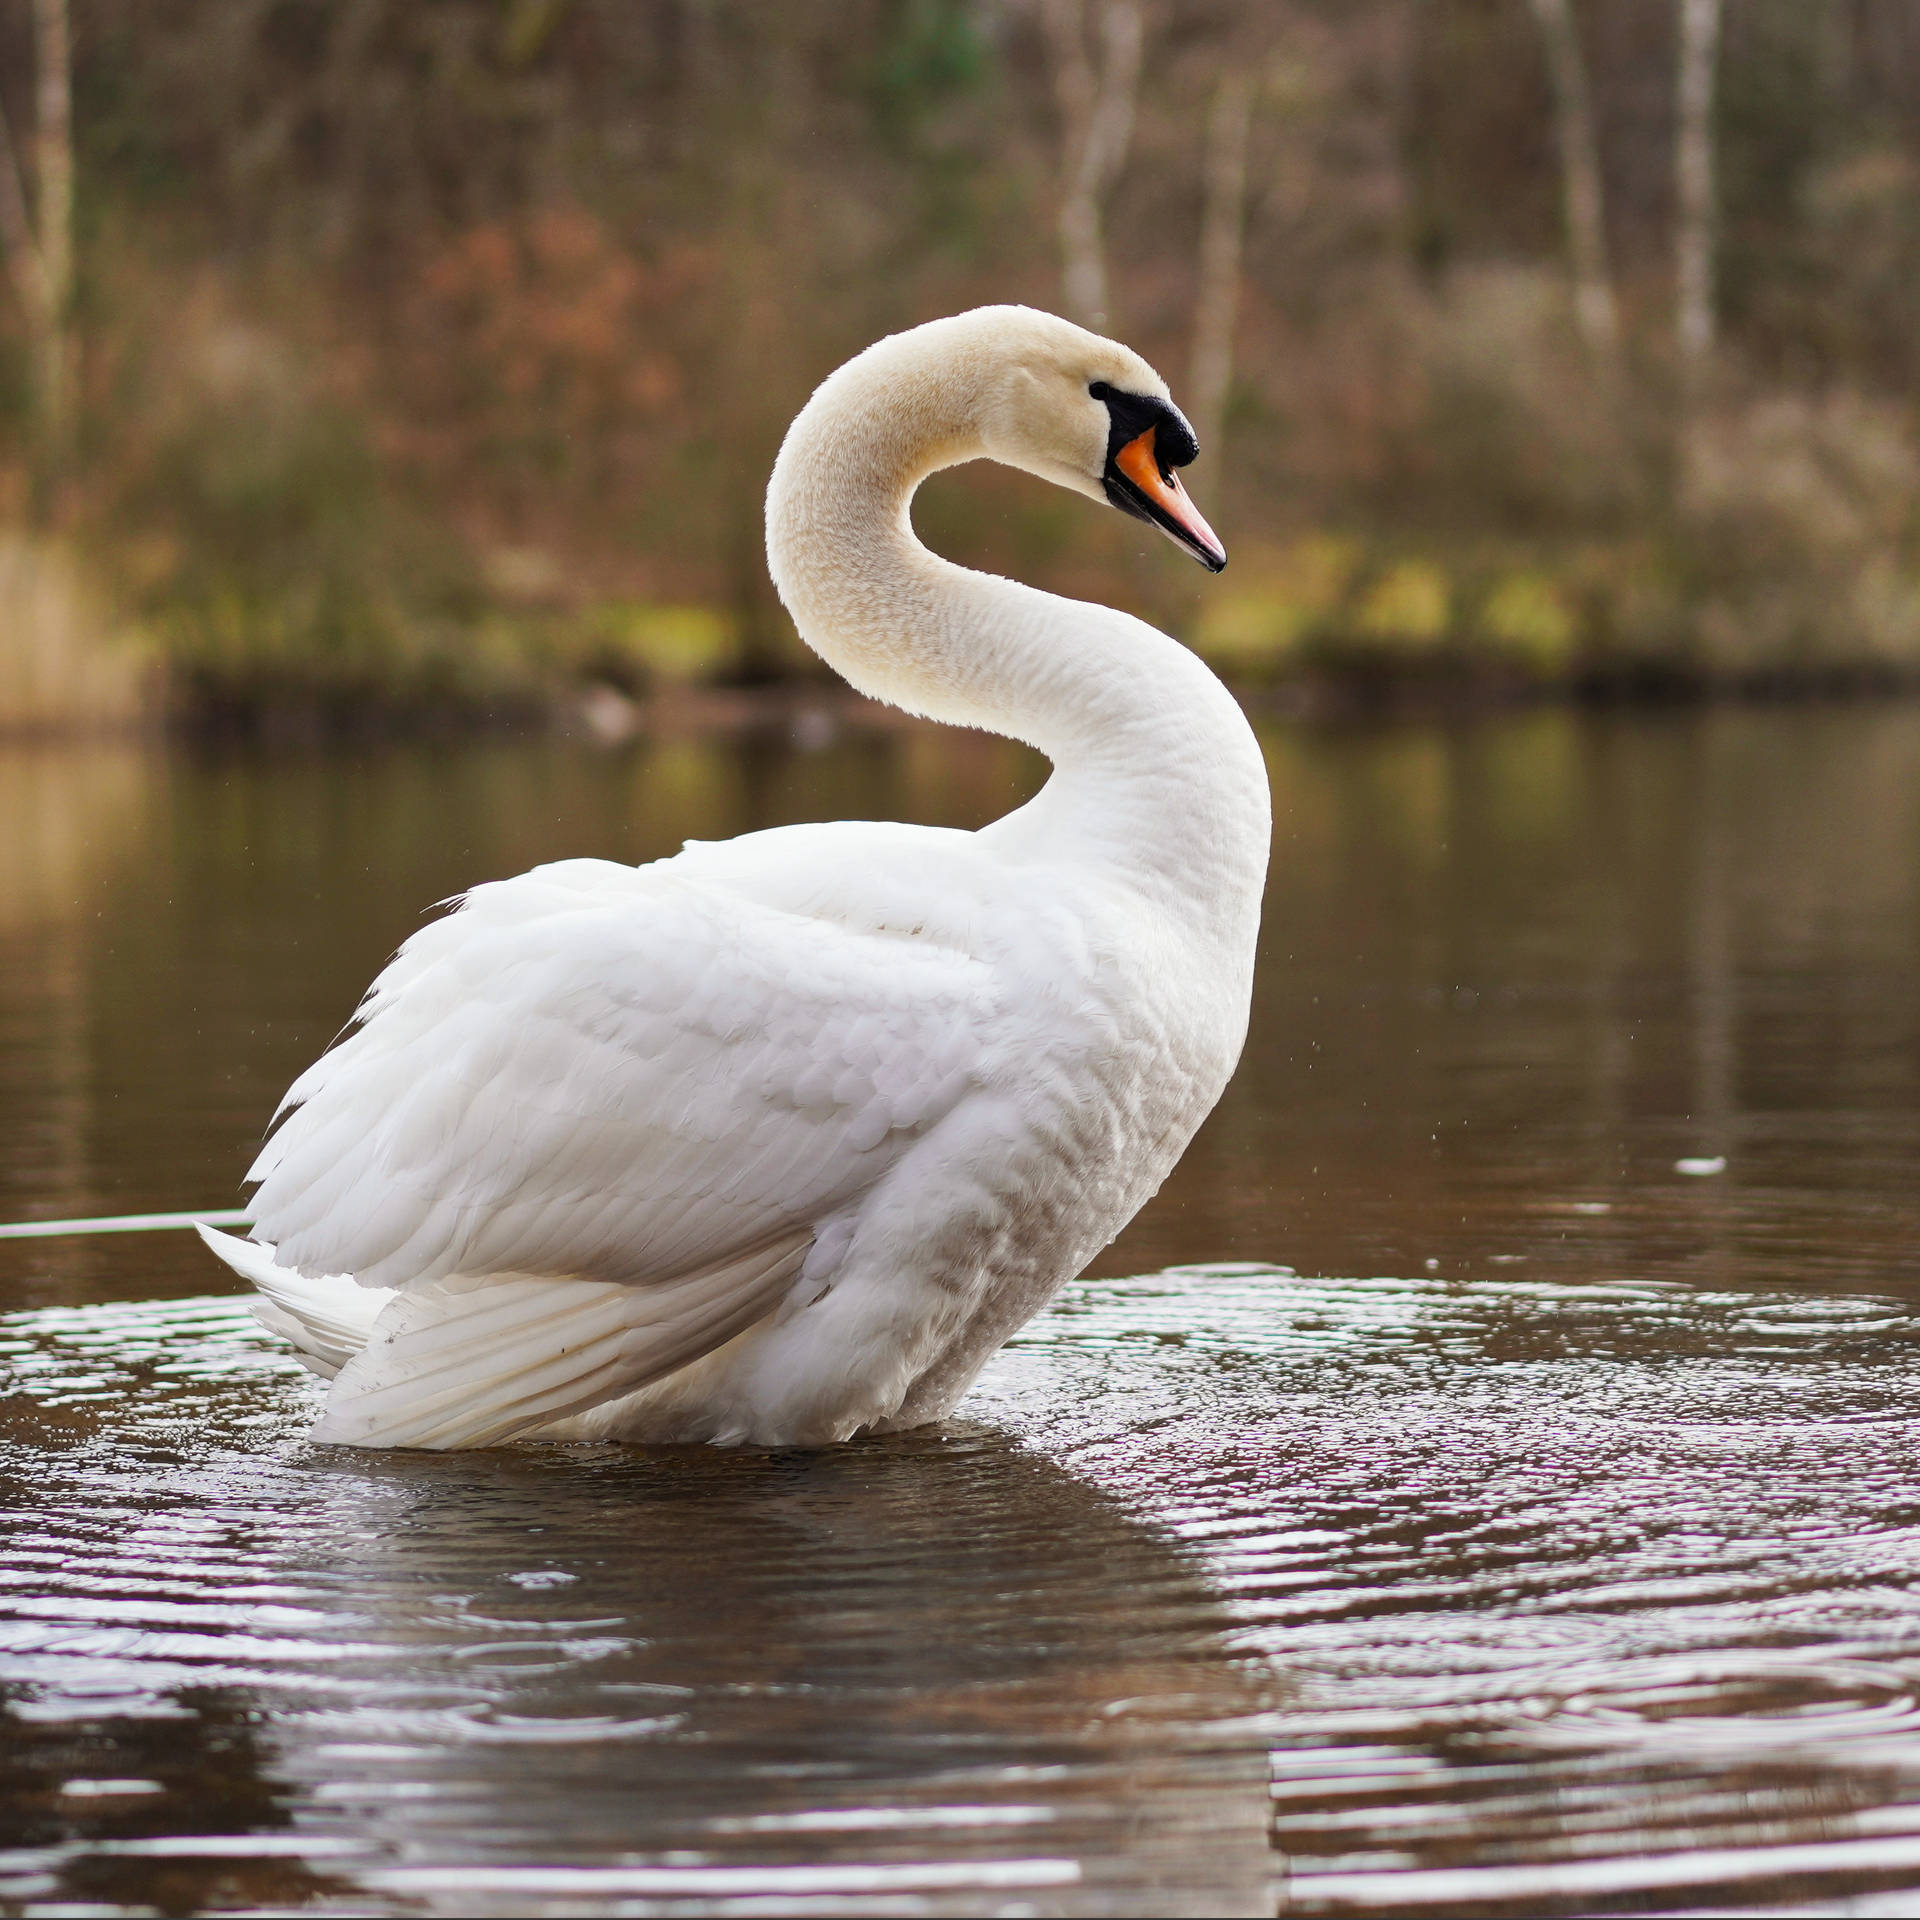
[(1089, 414)]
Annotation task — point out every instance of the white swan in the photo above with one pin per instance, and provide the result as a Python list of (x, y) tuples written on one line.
[(777, 1140)]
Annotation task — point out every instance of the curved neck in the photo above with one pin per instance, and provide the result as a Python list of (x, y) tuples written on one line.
[(1157, 775)]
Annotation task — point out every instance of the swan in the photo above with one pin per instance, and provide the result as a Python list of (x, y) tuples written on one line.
[(775, 1141)]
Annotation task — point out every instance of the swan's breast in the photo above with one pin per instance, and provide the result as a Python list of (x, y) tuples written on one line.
[(1110, 1030)]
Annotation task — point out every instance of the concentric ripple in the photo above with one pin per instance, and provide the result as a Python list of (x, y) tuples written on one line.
[(1457, 1597), (940, 1675), (1588, 1596)]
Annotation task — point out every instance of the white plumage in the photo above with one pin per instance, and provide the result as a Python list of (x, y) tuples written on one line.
[(778, 1139)]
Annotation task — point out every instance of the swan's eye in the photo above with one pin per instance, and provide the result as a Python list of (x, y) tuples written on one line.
[(1100, 390)]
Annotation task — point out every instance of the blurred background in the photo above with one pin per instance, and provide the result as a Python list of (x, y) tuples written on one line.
[(413, 368), (365, 363)]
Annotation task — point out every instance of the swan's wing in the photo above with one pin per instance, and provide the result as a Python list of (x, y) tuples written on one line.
[(473, 1363), (326, 1317), (615, 1073)]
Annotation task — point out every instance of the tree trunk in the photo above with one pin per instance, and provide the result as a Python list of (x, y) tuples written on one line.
[(1693, 183), (38, 240), (53, 184), (1582, 196), (1217, 299), (1096, 126), (22, 250)]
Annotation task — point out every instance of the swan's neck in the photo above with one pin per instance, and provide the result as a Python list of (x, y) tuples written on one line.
[(1157, 774)]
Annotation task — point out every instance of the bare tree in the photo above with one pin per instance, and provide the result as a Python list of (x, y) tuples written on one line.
[(1095, 86), (38, 242), (1699, 41), (1222, 227), (1582, 196)]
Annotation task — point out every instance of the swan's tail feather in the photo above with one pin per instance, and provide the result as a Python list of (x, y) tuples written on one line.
[(328, 1320), (475, 1362)]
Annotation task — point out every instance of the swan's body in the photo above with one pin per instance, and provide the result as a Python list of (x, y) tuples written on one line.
[(777, 1140)]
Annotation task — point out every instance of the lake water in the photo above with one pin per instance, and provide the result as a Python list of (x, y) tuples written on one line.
[(1438, 1502)]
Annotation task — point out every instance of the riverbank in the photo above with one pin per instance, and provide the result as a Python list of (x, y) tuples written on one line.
[(814, 712), (107, 682), (1329, 624)]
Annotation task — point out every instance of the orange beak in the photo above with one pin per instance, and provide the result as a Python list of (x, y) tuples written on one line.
[(1159, 497)]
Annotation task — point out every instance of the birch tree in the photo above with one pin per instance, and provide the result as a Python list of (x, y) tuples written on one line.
[(1699, 41), (1582, 195), (38, 239), (1222, 229), (1094, 46)]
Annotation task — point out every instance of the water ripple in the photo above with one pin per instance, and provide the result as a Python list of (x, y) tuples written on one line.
[(1537, 1598), (1588, 1595), (927, 1675)]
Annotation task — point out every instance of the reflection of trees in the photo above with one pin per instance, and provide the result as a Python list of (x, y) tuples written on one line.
[(67, 816), (70, 818), (1528, 962), (1491, 957)]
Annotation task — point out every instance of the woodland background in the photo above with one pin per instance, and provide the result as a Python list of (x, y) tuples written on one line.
[(365, 360)]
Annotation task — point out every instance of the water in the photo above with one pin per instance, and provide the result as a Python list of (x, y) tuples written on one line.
[(1558, 1554)]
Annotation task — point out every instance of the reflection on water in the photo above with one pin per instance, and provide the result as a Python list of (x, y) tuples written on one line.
[(1545, 1598), (70, 821), (930, 1671), (1589, 1596), (1509, 969), (1565, 1564)]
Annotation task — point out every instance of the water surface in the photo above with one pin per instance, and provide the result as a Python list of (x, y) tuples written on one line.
[(1557, 1553)]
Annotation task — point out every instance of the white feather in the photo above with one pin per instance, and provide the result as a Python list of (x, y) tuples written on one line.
[(453, 1363), (779, 1138), (327, 1318)]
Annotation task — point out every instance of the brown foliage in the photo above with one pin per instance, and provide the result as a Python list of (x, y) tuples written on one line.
[(543, 284), (544, 353)]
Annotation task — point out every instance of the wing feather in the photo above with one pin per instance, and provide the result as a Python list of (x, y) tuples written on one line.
[(622, 1073), (461, 1363), (327, 1320)]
